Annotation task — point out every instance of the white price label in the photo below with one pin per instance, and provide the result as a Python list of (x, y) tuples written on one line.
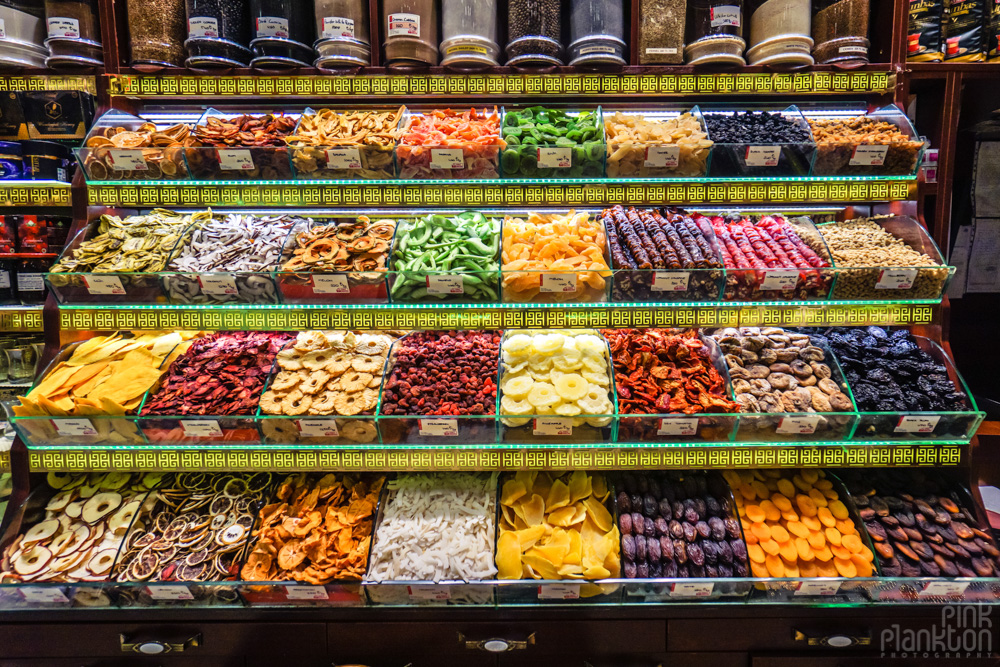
[(3, 29), (128, 161), (694, 589), (203, 26), (404, 25), (944, 588), (428, 592), (97, 284), (4, 279), (559, 592), (235, 159), (442, 427), (597, 49), (558, 282), (781, 280), (896, 279), (438, 284), (662, 156), (917, 423), (44, 595), (558, 157), (869, 156), (679, 426), (318, 428), (853, 49), (447, 158), (165, 592), (30, 282), (343, 158), (272, 26), (798, 425), (818, 588), (763, 156), (63, 26), (220, 284), (298, 592), (551, 426), (659, 51), (673, 281), (74, 427), (201, 428), (335, 283), (725, 15), (338, 26)]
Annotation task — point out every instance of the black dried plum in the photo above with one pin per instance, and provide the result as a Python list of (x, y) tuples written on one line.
[(701, 507), (624, 505), (640, 548), (625, 524), (718, 528), (698, 571), (741, 569), (635, 501), (628, 547), (696, 555), (642, 484)]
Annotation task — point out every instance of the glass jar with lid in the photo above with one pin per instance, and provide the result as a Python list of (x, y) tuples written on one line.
[(411, 33), (282, 34), (597, 32), (840, 31), (469, 33), (342, 38), (74, 33), (715, 32), (218, 33), (23, 44), (661, 31), (779, 32), (157, 30), (534, 33)]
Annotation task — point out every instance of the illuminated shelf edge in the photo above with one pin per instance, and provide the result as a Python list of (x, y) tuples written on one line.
[(4, 461)]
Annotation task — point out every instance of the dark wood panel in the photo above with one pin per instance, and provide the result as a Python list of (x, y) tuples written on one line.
[(842, 661), (165, 661), (651, 660)]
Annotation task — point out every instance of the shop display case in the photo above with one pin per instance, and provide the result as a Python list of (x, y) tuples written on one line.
[(763, 158)]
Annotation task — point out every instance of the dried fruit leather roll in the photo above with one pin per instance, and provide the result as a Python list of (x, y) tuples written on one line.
[(810, 256), (654, 255), (707, 252), (620, 258), (743, 243), (632, 241), (731, 254), (678, 235), (658, 235), (761, 248)]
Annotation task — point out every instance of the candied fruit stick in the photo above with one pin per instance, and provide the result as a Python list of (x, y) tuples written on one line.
[(619, 256), (740, 237), (761, 248), (674, 236), (732, 255), (810, 256), (670, 255), (654, 255), (632, 241), (787, 252), (695, 236)]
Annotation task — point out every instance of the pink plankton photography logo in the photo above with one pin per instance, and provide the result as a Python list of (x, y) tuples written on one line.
[(964, 631)]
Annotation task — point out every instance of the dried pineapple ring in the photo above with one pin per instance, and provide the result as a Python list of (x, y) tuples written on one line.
[(511, 406), (285, 380), (594, 401), (324, 402), (540, 376), (590, 345), (547, 344), (314, 383), (516, 368), (598, 422), (315, 361), (518, 387), (270, 403), (571, 386), (567, 364), (338, 364), (370, 345), (518, 344), (595, 365), (537, 364), (542, 394), (568, 409), (348, 404), (366, 363), (509, 358), (296, 403), (289, 360), (310, 341), (358, 430), (354, 381), (515, 422), (600, 379)]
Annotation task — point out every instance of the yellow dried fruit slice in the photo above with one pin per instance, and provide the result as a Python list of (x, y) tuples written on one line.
[(518, 387), (542, 394), (571, 386)]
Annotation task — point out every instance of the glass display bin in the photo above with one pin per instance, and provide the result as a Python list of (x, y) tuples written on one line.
[(232, 162), (882, 142), (761, 158), (124, 147), (335, 145), (536, 147), (431, 146), (656, 143)]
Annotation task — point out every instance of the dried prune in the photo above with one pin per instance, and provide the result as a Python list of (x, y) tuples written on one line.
[(640, 548), (983, 567), (678, 509), (628, 547), (875, 531), (690, 534), (884, 549), (624, 504), (948, 568)]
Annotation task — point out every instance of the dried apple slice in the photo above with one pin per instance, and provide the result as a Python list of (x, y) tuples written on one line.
[(59, 502), (100, 506), (58, 480), (121, 519), (102, 562), (74, 509), (41, 531), (32, 561)]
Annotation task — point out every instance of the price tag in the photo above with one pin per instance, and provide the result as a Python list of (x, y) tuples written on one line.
[(552, 426), (853, 49), (674, 281), (662, 156), (438, 284), (219, 284), (442, 427), (694, 589), (30, 282), (343, 158), (63, 26), (781, 280), (559, 592), (44, 595), (201, 428), (447, 158), (295, 592), (818, 588), (203, 26), (558, 282), (404, 25), (944, 588), (763, 156), (330, 284), (725, 15), (917, 423), (74, 427), (679, 426), (659, 51), (3, 29), (896, 279), (165, 592), (128, 161), (558, 157), (338, 26), (272, 26), (235, 159), (869, 156), (798, 425), (4, 279), (428, 592), (97, 284), (597, 49), (318, 428)]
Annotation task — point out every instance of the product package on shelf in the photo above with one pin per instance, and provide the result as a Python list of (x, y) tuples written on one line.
[(450, 144), (880, 143), (124, 147), (656, 143), (553, 143), (240, 147), (346, 145), (763, 141), (283, 33), (342, 30)]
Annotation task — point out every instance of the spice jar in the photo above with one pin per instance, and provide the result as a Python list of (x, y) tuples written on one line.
[(715, 32), (157, 30), (840, 31), (74, 34), (469, 32), (218, 33), (24, 35), (342, 33), (661, 31), (411, 34), (534, 32), (779, 32), (282, 34), (597, 32)]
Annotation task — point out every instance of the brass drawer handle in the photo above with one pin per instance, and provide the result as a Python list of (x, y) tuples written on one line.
[(496, 644), (837, 640), (156, 647)]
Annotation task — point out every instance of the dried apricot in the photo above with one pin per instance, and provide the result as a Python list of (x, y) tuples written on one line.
[(845, 567), (770, 547), (833, 536), (786, 488), (756, 553), (781, 502), (774, 566), (755, 513), (852, 543), (761, 530), (802, 547), (825, 517), (839, 510), (806, 505)]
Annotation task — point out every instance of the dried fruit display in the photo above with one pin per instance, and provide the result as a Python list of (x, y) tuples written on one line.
[(554, 258), (679, 525), (922, 525), (446, 257), (796, 525), (84, 523), (558, 526), (643, 147), (260, 139), (556, 373), (330, 144), (553, 143), (221, 374), (110, 153), (759, 143), (772, 258), (317, 529), (645, 240), (326, 373), (196, 530), (451, 144), (838, 141), (345, 246)]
